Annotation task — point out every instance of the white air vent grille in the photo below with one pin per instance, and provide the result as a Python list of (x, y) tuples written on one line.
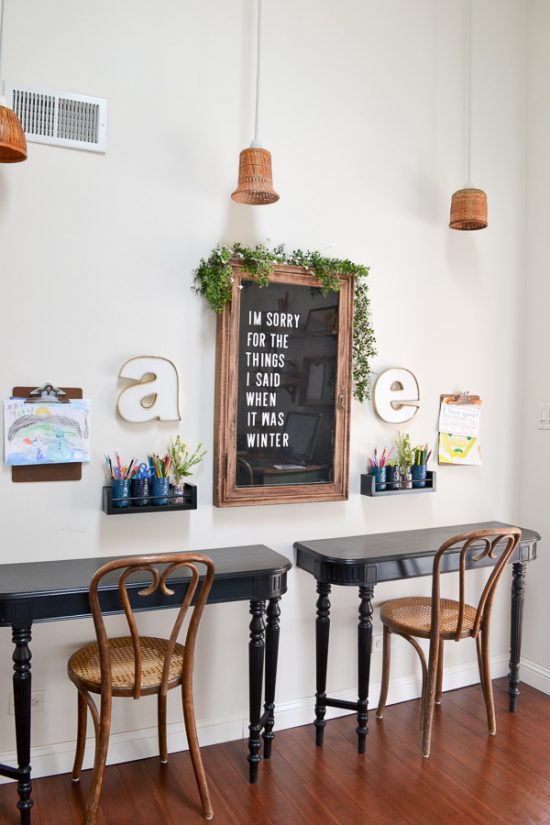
[(60, 118)]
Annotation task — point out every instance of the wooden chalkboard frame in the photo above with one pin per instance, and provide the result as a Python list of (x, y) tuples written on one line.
[(226, 492)]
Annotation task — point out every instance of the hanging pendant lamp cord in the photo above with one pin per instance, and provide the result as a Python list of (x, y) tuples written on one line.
[(256, 141), (2, 4), (469, 95)]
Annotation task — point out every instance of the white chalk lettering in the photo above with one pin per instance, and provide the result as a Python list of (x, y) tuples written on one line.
[(261, 399), (255, 339), (290, 320), (273, 419), (279, 340), (265, 359), (267, 439), (268, 379)]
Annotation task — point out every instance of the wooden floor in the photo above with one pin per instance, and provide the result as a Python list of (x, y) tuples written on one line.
[(470, 778)]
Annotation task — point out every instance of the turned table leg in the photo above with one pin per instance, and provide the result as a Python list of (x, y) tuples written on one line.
[(271, 655), (364, 649), (21, 637), (518, 598), (322, 629), (256, 668)]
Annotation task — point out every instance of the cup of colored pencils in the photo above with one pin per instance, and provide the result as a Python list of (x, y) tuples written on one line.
[(418, 469), (119, 476), (377, 468), (160, 479)]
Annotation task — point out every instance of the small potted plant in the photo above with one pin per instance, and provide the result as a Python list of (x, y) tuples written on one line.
[(405, 459), (182, 460)]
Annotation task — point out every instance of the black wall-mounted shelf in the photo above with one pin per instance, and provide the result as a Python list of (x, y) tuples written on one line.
[(368, 486), (189, 502)]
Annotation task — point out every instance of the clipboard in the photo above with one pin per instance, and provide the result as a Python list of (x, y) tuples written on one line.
[(458, 432), (460, 398), (47, 472)]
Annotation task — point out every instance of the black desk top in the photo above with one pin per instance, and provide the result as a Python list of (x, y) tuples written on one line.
[(353, 560), (378, 547), (44, 591)]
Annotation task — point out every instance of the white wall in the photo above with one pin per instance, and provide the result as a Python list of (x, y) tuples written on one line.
[(535, 450), (363, 109)]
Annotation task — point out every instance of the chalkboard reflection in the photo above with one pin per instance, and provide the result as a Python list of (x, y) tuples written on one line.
[(286, 398)]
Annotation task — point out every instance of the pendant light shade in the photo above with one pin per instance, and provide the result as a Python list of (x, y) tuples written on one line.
[(13, 144), (469, 209), (255, 185), (469, 204)]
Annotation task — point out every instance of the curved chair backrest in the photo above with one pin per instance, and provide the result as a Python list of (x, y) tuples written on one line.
[(495, 543), (245, 472), (160, 566)]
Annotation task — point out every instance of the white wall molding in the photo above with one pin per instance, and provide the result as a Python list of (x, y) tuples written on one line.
[(535, 675), (57, 758), (49, 760)]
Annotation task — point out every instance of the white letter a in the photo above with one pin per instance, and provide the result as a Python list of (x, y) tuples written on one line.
[(163, 388)]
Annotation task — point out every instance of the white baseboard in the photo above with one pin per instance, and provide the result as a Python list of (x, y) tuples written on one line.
[(48, 760), (535, 675)]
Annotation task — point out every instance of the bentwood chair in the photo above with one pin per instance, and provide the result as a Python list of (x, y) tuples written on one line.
[(135, 665), (440, 620)]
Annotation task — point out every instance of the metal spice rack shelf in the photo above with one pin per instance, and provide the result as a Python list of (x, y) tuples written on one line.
[(368, 486), (189, 502)]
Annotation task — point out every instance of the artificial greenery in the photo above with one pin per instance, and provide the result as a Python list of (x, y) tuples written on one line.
[(405, 453), (182, 459), (214, 278)]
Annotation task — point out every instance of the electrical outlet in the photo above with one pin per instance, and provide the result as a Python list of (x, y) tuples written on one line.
[(378, 644), (38, 702), (544, 416)]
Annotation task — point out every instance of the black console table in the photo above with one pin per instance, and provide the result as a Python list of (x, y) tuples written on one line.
[(49, 591), (363, 562)]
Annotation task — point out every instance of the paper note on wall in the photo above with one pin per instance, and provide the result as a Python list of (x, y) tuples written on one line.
[(459, 430), (46, 433)]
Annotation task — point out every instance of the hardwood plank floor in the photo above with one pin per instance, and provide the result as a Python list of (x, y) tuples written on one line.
[(470, 779)]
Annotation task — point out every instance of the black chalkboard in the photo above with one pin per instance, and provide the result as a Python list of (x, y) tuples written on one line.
[(286, 394)]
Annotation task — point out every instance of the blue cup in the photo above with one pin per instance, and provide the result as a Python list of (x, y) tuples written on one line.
[(140, 492), (121, 491), (379, 474), (160, 489), (418, 475)]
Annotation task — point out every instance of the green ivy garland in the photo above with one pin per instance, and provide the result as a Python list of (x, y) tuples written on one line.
[(213, 279)]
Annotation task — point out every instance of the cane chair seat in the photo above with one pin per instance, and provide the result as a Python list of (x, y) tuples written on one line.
[(413, 617), (85, 669)]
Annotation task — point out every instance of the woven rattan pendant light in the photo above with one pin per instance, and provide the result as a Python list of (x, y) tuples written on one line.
[(255, 184), (13, 145), (469, 204)]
